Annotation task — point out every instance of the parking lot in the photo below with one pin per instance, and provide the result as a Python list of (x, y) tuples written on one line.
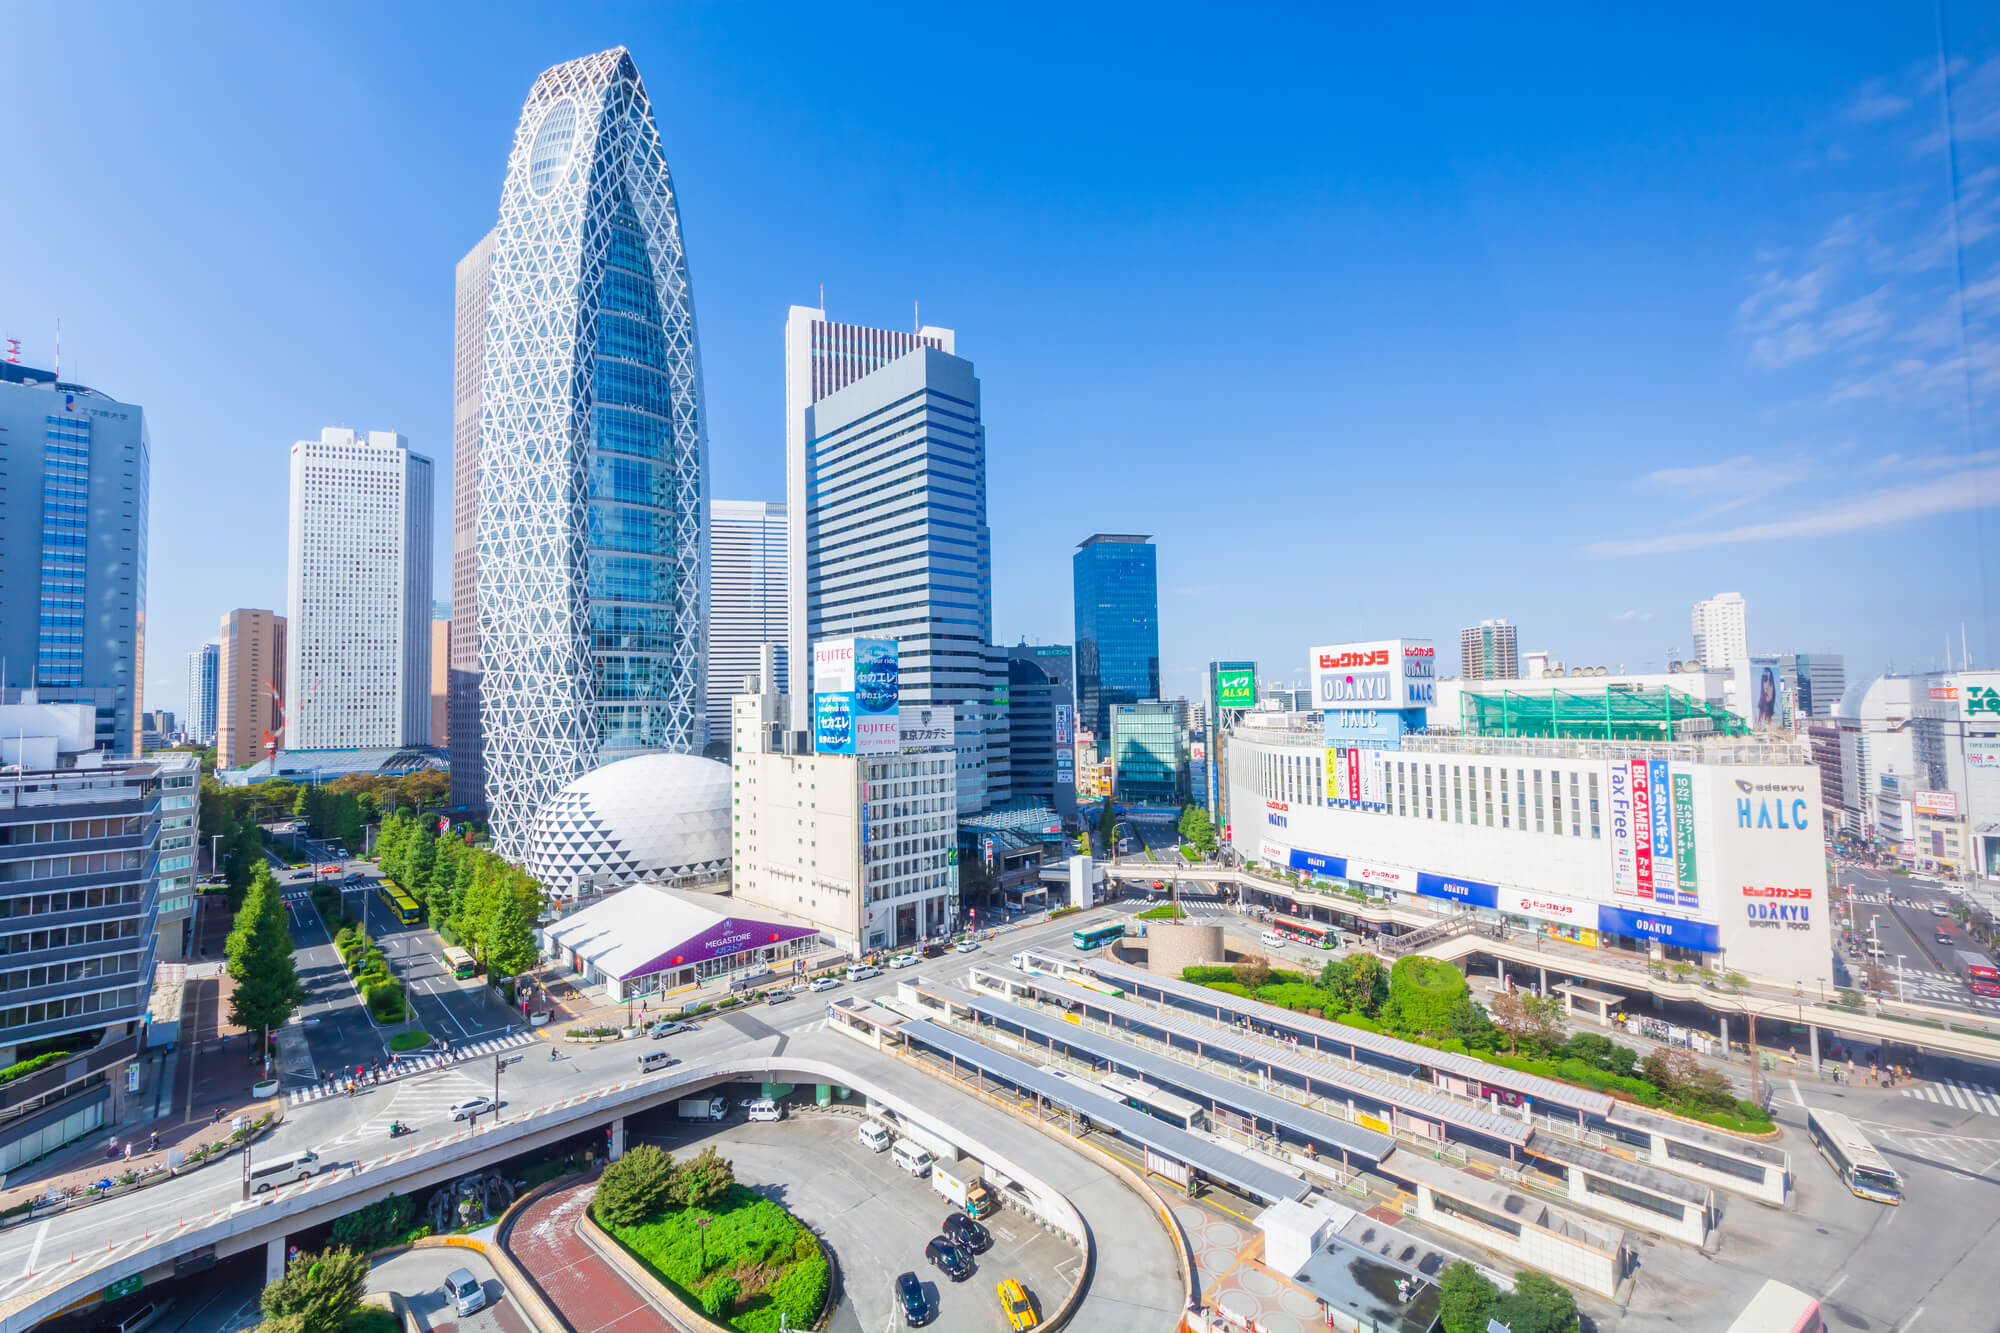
[(876, 1218)]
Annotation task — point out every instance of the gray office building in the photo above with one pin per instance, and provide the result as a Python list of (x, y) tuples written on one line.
[(1815, 680), (204, 666), (1041, 725), (74, 472), (746, 602), (897, 545)]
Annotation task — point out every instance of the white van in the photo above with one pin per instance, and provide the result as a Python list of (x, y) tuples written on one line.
[(763, 1108), (279, 1170), (913, 1157), (652, 1060), (467, 1296), (1273, 940), (874, 1136)]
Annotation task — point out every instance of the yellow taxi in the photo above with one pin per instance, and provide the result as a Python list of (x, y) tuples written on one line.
[(1014, 1300)]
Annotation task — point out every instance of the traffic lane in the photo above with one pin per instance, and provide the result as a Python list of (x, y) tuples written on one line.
[(418, 1276), (469, 1007), (337, 1027)]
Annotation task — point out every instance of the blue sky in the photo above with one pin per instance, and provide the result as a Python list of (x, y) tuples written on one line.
[(1382, 325)]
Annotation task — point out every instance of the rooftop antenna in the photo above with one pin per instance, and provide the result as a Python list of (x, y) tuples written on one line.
[(916, 317), (14, 351), (1964, 654), (822, 298), (58, 347)]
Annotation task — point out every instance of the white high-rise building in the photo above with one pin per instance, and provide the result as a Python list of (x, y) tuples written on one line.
[(204, 665), (821, 357), (358, 581), (746, 601), (1720, 640)]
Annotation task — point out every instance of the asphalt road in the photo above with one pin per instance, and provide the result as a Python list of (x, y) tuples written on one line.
[(1899, 911)]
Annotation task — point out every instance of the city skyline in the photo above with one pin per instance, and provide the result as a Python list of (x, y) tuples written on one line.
[(1769, 402)]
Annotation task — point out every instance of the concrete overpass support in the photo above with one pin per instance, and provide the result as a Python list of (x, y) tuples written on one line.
[(274, 1260), (618, 1138)]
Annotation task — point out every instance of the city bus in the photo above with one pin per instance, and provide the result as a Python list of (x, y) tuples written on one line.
[(1979, 974), (459, 963), (1156, 1102), (1094, 937), (1101, 987), (1780, 1309), (1305, 932), (401, 905), (1853, 1158)]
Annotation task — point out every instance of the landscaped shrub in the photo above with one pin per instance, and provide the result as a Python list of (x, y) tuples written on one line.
[(1297, 996), (751, 1241), (29, 1066)]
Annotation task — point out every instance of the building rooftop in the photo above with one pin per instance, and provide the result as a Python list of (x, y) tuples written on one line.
[(325, 765), (1124, 538), (646, 928), (1613, 714)]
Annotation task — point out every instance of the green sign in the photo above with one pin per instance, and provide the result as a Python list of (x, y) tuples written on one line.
[(125, 1286), (1236, 687), (1684, 831), (1982, 699)]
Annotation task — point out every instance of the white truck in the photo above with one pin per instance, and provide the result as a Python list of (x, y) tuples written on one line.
[(960, 1183), (701, 1108)]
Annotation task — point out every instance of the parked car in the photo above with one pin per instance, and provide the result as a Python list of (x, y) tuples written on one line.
[(467, 1296), (903, 960), (949, 1257), (863, 972), (1014, 1302), (964, 1231), (779, 996), (764, 1109), (917, 1307), (667, 1027), (824, 983), (471, 1106)]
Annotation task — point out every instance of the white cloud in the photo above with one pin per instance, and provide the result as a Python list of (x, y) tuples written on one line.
[(1973, 488), (1874, 102), (1732, 483), (1634, 615)]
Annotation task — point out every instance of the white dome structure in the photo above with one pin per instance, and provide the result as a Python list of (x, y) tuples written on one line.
[(650, 817)]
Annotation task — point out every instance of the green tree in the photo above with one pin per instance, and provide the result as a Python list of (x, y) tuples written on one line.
[(636, 1186), (1360, 984), (1548, 1020), (1107, 829), (322, 1291), (1198, 829), (1422, 993), (419, 858), (702, 1179), (1538, 1304), (259, 953), (508, 948), (1465, 1298)]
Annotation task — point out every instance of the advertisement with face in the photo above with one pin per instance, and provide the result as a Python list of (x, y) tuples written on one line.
[(1760, 694), (1768, 881)]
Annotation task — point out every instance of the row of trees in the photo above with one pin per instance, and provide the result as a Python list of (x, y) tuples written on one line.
[(259, 952), (1198, 830), (1467, 1301), (647, 1179), (488, 905)]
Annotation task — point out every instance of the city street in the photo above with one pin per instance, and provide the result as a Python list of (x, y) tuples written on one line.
[(1901, 912)]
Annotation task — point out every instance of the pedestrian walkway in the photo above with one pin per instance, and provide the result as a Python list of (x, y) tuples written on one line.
[(1964, 1096), (569, 1274), (411, 1065)]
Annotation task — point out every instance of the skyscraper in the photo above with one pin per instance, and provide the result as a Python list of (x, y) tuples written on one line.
[(897, 545), (198, 723), (75, 467), (358, 583), (1117, 595), (440, 680), (1041, 725), (821, 357), (746, 601), (1487, 651), (1720, 637), (249, 687), (593, 454), (468, 367), (1815, 681)]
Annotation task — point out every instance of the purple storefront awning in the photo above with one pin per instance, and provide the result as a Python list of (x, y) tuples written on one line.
[(725, 937)]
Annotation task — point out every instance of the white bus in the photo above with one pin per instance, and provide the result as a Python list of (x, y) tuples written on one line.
[(1780, 1309), (1156, 1102), (1848, 1151)]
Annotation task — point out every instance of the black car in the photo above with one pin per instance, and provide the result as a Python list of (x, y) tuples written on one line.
[(950, 1257), (917, 1308), (965, 1232)]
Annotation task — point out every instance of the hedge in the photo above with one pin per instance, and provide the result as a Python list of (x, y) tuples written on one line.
[(31, 1064), (751, 1240)]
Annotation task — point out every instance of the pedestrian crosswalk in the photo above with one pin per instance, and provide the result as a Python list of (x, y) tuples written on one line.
[(411, 1065), (1936, 988), (1964, 1096)]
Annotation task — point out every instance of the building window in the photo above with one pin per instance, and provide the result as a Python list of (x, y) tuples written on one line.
[(1594, 828), (1556, 802), (1457, 796), (1430, 811), (1575, 810), (1486, 785), (1505, 804)]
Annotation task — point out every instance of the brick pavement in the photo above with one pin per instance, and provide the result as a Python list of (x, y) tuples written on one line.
[(572, 1278)]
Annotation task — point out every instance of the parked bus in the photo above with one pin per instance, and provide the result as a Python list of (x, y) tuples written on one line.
[(459, 963), (1094, 937), (1305, 932), (1101, 987), (401, 905), (1156, 1102), (1848, 1151), (1780, 1309), (1979, 974)]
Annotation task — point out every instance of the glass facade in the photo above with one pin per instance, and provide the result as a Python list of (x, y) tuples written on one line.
[(592, 579), (1117, 599), (1149, 753)]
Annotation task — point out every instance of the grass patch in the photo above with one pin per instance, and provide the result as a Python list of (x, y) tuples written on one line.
[(372, 1319), (1164, 912), (410, 1041), (774, 1262)]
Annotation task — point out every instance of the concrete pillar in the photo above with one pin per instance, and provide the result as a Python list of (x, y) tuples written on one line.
[(274, 1260), (1545, 979), (618, 1138), (1812, 1037), (1722, 1022)]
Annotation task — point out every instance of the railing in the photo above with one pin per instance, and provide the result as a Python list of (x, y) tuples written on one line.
[(1398, 945)]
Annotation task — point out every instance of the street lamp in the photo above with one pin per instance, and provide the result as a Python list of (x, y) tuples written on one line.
[(1900, 997)]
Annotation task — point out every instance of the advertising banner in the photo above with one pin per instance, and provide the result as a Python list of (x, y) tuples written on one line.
[(1941, 803), (1383, 877), (1642, 827), (833, 723), (1380, 727), (1276, 854), (1468, 891), (1666, 873), (1547, 907), (1064, 725), (1236, 685), (1618, 815), (1758, 696), (1334, 867), (1768, 855), (1684, 857), (920, 729), (1378, 674), (861, 680), (1697, 935)]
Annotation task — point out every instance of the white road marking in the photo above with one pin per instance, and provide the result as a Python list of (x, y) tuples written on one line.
[(1798, 1098), (1915, 1315), (35, 1254), (1836, 1285)]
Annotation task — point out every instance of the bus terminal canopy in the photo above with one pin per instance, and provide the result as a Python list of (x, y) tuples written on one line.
[(1597, 715)]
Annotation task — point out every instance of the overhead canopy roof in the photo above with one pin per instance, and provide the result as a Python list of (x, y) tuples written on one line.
[(1430, 1105), (1325, 1132), (1235, 1170), (647, 928), (1598, 715), (1464, 1066)]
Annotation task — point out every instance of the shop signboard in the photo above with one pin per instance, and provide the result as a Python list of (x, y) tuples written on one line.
[(1316, 863), (1277, 854), (1618, 815), (1642, 827), (1684, 857), (1380, 727), (1548, 907), (919, 729), (1382, 877), (1660, 836), (1943, 804), (1378, 674), (1697, 935), (1235, 684), (1768, 877), (1471, 892)]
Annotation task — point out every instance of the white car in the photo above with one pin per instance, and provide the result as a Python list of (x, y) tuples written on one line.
[(967, 946), (825, 983), (471, 1106), (903, 960), (864, 972), (763, 1108)]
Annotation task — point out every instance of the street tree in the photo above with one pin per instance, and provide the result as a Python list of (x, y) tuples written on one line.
[(259, 952), (635, 1187), (1465, 1298), (508, 948), (320, 1291), (702, 1179)]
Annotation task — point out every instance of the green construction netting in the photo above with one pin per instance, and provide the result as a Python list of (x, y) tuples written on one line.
[(1602, 715)]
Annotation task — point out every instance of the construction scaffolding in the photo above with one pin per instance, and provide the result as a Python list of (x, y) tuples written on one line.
[(1609, 714)]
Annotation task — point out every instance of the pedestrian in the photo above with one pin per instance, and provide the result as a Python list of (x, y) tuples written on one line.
[(216, 1119), (153, 1142), (128, 1151)]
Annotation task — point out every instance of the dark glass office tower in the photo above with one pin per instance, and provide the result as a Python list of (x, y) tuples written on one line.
[(1117, 626)]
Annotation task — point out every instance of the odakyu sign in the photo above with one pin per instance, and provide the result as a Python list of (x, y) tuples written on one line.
[(1471, 892), (1679, 931), (1318, 863), (1378, 674)]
